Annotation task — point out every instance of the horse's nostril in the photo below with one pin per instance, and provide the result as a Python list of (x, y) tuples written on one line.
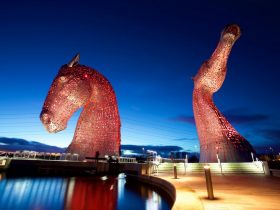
[(232, 30), (45, 118)]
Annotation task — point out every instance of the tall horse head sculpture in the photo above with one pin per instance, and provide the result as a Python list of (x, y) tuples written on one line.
[(218, 139), (98, 127)]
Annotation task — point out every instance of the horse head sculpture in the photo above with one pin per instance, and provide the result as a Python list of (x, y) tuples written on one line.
[(98, 127), (218, 139)]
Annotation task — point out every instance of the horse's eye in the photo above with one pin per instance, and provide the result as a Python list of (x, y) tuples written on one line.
[(62, 79)]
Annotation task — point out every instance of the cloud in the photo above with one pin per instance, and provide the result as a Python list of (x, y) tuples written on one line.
[(150, 147), (183, 118), (270, 134), (233, 116), (14, 144), (246, 118), (184, 139), (241, 115)]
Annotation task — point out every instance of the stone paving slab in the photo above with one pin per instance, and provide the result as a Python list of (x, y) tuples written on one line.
[(232, 192)]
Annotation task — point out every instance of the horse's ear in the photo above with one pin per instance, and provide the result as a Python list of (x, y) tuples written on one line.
[(75, 60)]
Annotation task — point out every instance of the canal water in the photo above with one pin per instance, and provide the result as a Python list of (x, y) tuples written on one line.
[(85, 193)]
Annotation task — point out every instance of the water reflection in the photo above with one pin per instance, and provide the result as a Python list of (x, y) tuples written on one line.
[(35, 193), (93, 194), (139, 196), (77, 193)]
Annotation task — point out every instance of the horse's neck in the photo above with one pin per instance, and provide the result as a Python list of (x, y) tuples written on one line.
[(207, 116), (99, 113)]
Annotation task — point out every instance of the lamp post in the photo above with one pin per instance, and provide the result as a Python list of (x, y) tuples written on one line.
[(209, 184), (186, 163), (217, 153)]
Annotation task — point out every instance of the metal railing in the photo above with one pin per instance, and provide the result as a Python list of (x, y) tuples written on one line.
[(127, 160), (40, 155)]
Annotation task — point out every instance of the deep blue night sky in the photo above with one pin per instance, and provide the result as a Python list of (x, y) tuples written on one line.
[(149, 50)]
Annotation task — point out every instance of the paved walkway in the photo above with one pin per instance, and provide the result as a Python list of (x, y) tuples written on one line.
[(232, 192)]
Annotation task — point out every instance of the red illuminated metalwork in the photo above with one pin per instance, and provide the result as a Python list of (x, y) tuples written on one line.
[(98, 128), (218, 139)]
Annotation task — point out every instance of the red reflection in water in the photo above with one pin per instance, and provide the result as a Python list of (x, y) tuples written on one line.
[(92, 195)]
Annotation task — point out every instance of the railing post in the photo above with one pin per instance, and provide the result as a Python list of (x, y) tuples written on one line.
[(252, 154)]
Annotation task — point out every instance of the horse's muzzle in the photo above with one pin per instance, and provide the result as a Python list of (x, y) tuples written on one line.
[(45, 118)]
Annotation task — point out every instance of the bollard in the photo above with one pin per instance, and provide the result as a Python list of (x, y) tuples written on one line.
[(209, 184), (175, 171)]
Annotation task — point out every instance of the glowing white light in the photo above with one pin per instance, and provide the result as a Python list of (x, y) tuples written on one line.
[(206, 167), (104, 178)]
